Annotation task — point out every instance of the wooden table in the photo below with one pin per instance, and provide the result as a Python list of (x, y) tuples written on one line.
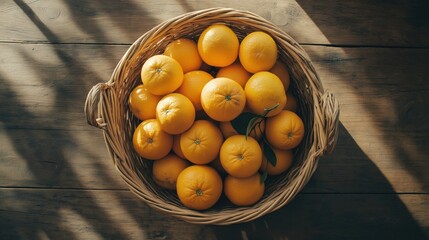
[(58, 182)]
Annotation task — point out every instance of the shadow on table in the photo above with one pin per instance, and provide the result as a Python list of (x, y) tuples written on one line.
[(333, 215), (390, 82), (47, 146), (328, 214)]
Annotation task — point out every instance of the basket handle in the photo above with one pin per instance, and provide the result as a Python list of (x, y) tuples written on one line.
[(331, 110), (94, 105)]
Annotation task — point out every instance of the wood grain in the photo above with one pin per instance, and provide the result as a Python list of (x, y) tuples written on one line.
[(56, 159), (383, 95), (45, 86), (76, 214), (356, 22), (58, 182), (42, 101), (56, 78)]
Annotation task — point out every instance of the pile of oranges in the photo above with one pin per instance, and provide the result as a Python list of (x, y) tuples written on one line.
[(216, 117)]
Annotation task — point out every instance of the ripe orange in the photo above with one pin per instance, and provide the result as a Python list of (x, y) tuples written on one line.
[(284, 161), (280, 70), (166, 170), (223, 99), (175, 113), (235, 72), (258, 52), (228, 130), (150, 141), (185, 51), (291, 103), (193, 83), (244, 191), (285, 130), (199, 187), (201, 143), (161, 74), (217, 166), (218, 45), (264, 90), (241, 157), (176, 147), (143, 103)]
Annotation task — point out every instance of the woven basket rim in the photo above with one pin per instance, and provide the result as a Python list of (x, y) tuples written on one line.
[(103, 110)]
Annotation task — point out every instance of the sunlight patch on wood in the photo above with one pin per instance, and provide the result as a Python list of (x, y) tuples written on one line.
[(118, 212), (417, 205), (98, 169), (292, 18), (14, 168), (42, 235), (365, 128), (76, 224), (28, 81)]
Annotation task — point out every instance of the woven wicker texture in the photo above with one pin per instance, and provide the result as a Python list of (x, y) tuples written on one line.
[(106, 107)]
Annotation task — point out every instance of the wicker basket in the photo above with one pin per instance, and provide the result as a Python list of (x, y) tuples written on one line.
[(106, 107)]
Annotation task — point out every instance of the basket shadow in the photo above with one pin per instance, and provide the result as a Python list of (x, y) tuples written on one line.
[(324, 209), (397, 106)]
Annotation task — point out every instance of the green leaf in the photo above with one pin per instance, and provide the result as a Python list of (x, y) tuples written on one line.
[(267, 110), (251, 125), (269, 153), (264, 176), (241, 123)]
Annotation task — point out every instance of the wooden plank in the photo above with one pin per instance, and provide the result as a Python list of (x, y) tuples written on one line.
[(75, 214), (40, 80), (44, 87), (398, 23), (79, 159), (383, 97), (51, 158)]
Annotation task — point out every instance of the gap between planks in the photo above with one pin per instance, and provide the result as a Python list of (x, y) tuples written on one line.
[(130, 43), (128, 190)]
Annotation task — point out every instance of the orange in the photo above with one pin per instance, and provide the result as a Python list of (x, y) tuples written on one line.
[(280, 70), (223, 99), (264, 90), (150, 141), (235, 72), (175, 113), (199, 187), (283, 163), (258, 52), (218, 45), (193, 83), (217, 166), (201, 143), (241, 157), (291, 103), (285, 130), (185, 51), (244, 191), (143, 103), (228, 130), (161, 74), (166, 170), (176, 146)]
